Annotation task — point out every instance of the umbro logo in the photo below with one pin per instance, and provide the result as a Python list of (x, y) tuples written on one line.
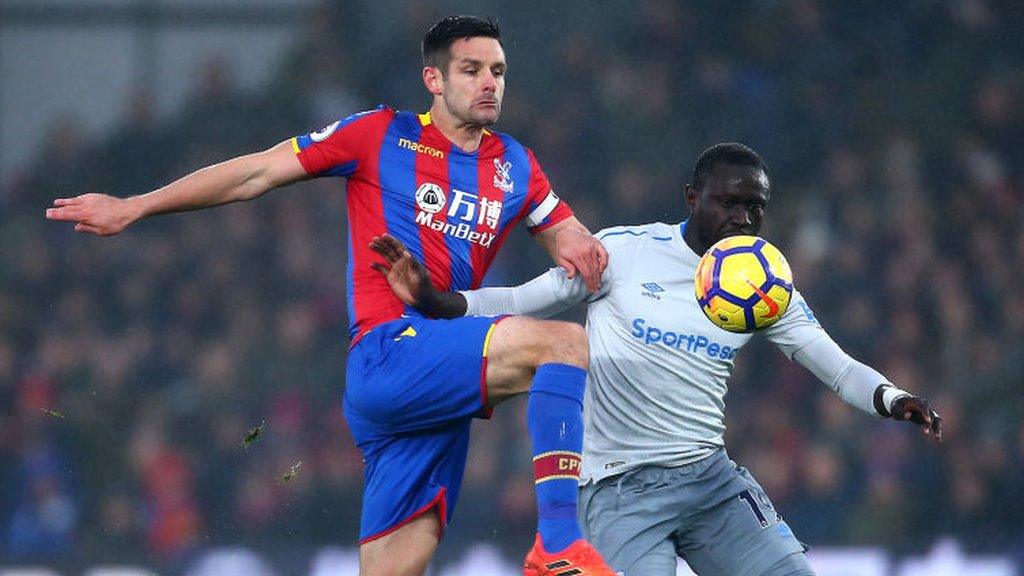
[(651, 290)]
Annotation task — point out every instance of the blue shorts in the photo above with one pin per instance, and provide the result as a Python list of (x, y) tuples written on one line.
[(412, 388)]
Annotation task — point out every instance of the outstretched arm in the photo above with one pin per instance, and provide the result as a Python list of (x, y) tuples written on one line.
[(241, 178), (546, 295), (865, 388)]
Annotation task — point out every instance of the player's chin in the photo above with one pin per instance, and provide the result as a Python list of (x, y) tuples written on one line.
[(730, 232), (722, 236), (486, 115)]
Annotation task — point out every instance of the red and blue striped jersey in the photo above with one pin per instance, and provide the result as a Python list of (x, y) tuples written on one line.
[(453, 209)]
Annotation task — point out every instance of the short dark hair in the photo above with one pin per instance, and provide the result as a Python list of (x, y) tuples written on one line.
[(725, 153), (438, 40)]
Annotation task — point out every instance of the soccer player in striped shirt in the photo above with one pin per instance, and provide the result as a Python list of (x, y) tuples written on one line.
[(656, 479), (451, 189)]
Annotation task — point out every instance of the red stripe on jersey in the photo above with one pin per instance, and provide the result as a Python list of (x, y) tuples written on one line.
[(437, 258), (555, 466), (373, 299)]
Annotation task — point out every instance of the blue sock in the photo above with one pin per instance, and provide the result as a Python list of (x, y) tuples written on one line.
[(554, 416)]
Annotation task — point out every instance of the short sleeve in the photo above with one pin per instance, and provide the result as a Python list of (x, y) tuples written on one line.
[(543, 207), (337, 149)]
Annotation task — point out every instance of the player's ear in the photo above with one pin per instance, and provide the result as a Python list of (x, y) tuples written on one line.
[(432, 79), (690, 196)]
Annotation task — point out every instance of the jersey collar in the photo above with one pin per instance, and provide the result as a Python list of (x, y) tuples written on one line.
[(426, 121), (682, 239)]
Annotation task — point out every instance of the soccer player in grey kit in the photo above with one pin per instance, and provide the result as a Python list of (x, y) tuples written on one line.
[(656, 479)]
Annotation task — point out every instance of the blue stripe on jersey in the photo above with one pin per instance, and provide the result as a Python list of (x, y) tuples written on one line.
[(344, 170), (350, 303), (397, 173), (632, 233), (520, 174), (303, 141), (462, 176)]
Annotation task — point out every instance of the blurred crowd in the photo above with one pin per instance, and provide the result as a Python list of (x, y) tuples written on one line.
[(132, 367)]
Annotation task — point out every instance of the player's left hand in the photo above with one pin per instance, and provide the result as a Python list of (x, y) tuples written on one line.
[(579, 252), (917, 410), (409, 279)]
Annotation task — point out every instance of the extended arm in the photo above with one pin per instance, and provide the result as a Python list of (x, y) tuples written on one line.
[(864, 387), (241, 178), (546, 295)]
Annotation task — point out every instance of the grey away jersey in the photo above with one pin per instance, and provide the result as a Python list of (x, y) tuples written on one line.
[(658, 366)]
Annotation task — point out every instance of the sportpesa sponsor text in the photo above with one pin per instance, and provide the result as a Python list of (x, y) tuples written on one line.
[(693, 343)]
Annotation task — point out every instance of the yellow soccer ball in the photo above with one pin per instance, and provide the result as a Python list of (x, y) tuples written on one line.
[(743, 284)]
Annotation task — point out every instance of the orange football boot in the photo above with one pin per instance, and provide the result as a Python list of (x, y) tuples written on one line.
[(579, 559)]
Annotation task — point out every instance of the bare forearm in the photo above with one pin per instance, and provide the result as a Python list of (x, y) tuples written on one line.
[(231, 181), (241, 178), (548, 238)]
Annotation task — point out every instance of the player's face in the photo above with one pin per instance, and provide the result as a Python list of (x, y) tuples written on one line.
[(474, 83), (731, 203)]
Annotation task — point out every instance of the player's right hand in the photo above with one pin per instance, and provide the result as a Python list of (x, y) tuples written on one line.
[(93, 213), (918, 411), (580, 253), (409, 279)]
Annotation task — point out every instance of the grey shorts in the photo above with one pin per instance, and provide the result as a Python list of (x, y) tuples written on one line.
[(711, 513)]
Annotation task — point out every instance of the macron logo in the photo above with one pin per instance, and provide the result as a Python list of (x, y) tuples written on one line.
[(651, 290), (422, 149)]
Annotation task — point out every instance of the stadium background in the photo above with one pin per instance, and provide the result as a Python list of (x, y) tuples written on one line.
[(895, 134)]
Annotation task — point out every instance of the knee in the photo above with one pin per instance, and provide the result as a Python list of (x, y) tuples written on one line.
[(563, 343)]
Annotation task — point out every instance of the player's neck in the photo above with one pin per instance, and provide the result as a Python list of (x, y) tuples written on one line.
[(690, 237), (465, 136)]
